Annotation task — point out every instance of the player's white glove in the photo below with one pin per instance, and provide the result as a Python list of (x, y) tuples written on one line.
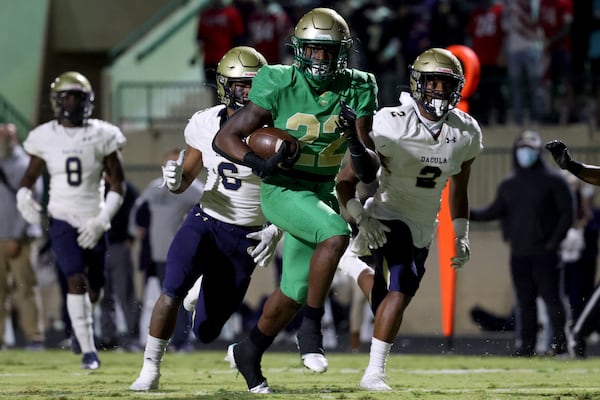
[(172, 172), (94, 228), (370, 228), (572, 245), (91, 231), (263, 252), (463, 250), (28, 207)]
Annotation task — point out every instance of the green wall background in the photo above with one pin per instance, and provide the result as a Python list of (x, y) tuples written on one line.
[(22, 48)]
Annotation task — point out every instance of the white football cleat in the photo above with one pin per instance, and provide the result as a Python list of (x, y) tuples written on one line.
[(374, 381), (191, 298), (263, 388), (146, 381), (229, 357), (316, 362)]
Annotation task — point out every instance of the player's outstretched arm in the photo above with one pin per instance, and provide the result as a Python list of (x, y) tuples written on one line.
[(562, 156)]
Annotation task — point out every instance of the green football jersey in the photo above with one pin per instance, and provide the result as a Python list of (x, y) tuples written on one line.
[(311, 117)]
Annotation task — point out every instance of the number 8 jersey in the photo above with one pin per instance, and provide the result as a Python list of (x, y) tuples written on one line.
[(74, 159), (416, 165)]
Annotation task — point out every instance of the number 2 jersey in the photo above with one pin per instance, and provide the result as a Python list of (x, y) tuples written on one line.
[(232, 191), (74, 159), (311, 117), (416, 166)]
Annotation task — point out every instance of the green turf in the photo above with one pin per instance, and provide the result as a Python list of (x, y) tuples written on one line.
[(55, 374)]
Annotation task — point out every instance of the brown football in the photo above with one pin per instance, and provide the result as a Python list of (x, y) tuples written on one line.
[(265, 141)]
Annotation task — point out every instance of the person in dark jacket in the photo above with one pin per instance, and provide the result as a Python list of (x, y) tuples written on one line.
[(535, 206), (589, 319)]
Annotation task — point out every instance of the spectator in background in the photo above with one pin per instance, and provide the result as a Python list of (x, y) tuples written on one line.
[(167, 213), (524, 57), (17, 276), (369, 21), (220, 27), (593, 54), (487, 41), (535, 206), (267, 25), (556, 17), (119, 287), (77, 151), (448, 22)]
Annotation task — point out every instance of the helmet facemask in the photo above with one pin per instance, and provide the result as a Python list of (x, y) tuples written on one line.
[(233, 91), (428, 94), (77, 109), (335, 57)]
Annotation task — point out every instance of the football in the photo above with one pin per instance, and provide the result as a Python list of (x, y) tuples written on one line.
[(265, 141)]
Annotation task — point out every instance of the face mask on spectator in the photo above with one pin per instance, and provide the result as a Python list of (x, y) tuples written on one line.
[(526, 156)]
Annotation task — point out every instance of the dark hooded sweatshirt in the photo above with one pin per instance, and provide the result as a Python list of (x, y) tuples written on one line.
[(535, 207)]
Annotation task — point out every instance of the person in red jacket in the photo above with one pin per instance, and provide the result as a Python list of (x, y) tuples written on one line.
[(220, 28), (487, 38), (556, 17)]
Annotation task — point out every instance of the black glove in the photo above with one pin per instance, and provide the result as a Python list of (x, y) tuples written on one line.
[(283, 159), (560, 153), (347, 123), (347, 119), (364, 162)]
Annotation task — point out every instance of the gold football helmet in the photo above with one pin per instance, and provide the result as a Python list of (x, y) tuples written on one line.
[(440, 65), (237, 65), (323, 28), (72, 83)]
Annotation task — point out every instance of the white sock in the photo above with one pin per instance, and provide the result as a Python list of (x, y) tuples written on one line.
[(79, 307), (352, 265), (378, 356), (154, 352)]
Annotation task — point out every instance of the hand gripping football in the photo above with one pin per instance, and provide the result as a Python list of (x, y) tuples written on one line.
[(265, 141)]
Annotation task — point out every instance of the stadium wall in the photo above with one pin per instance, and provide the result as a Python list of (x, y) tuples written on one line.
[(24, 29)]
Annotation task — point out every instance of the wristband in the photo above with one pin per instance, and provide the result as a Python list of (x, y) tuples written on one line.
[(355, 145), (461, 227), (574, 167), (112, 203), (355, 209)]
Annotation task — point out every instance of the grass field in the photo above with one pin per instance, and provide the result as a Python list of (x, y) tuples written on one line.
[(55, 374)]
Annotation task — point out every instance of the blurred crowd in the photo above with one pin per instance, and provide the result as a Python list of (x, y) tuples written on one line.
[(535, 68)]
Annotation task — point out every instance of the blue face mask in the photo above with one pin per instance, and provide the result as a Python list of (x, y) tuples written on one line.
[(526, 156)]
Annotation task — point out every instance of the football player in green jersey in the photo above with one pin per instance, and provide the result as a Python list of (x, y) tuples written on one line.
[(328, 108)]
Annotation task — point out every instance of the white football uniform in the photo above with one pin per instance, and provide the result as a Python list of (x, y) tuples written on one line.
[(416, 167), (232, 191), (75, 160)]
